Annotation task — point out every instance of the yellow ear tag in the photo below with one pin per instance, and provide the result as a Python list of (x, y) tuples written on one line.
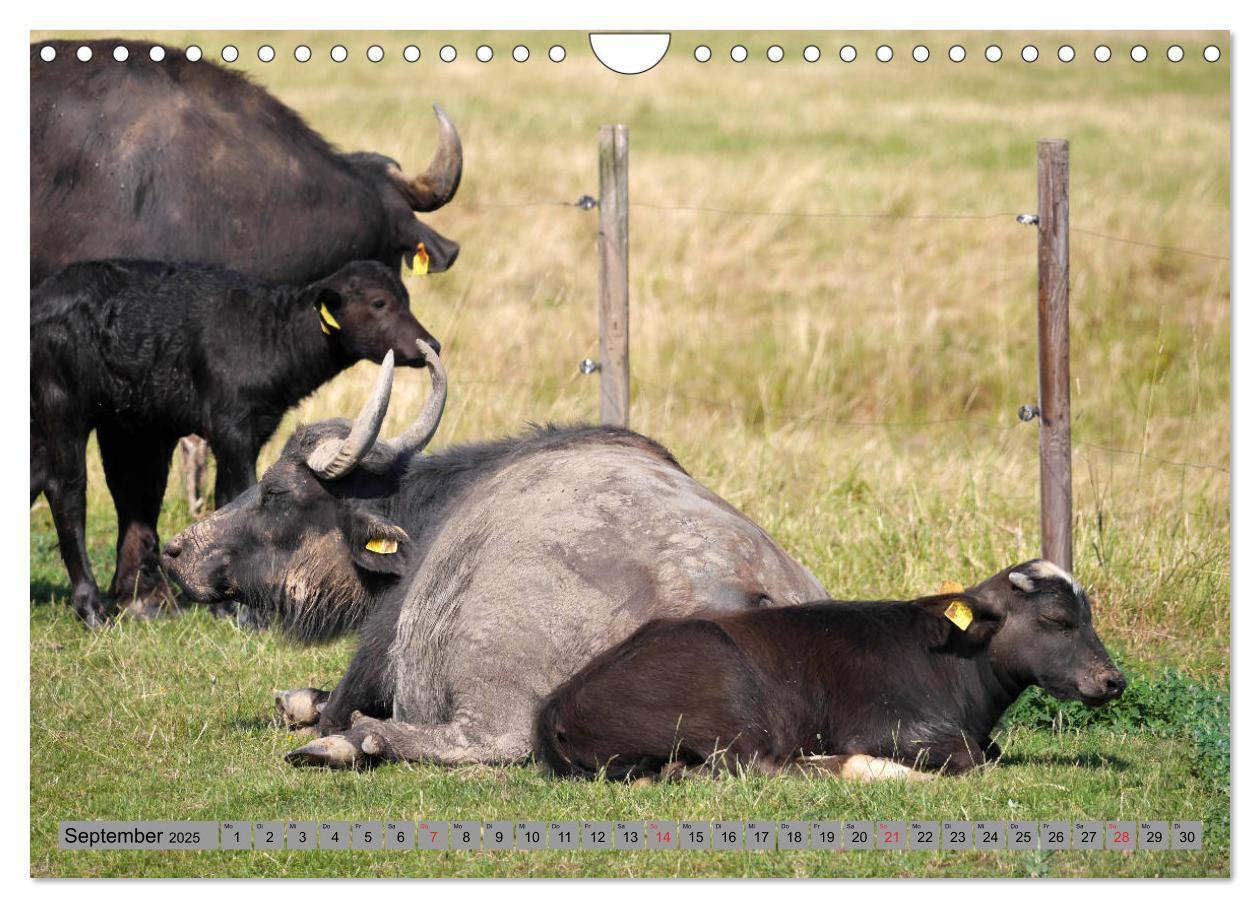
[(419, 262), (382, 546), (326, 319), (950, 586), (959, 612)]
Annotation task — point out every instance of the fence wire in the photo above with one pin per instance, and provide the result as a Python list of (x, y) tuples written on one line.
[(783, 415), (587, 202), (944, 420)]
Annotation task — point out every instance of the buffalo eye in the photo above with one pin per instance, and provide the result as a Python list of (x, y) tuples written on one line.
[(1057, 622), (378, 304), (269, 495)]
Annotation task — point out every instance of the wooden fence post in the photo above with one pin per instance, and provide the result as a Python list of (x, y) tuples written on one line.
[(1053, 352), (614, 275)]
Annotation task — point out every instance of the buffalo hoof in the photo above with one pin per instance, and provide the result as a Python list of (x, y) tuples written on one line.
[(371, 736), (333, 752), (90, 609), (301, 708), (93, 619)]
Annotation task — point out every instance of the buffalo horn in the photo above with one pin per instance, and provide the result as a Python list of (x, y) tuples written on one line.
[(334, 457), (436, 186), (421, 432)]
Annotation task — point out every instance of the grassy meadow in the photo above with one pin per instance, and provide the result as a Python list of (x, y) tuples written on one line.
[(850, 382)]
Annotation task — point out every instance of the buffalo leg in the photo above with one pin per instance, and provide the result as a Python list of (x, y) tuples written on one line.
[(194, 454), (39, 464), (465, 739), (65, 484), (236, 463), (235, 472), (861, 768), (363, 689), (136, 469), (373, 740)]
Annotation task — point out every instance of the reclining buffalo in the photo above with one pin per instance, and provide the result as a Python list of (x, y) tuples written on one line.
[(478, 578), (866, 689)]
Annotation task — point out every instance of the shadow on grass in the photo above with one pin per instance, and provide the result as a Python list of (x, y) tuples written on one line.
[(1085, 761), (45, 593)]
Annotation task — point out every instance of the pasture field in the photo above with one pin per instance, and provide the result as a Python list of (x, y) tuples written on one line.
[(850, 382)]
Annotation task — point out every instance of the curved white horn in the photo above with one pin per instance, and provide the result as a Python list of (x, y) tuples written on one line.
[(436, 186), (421, 432), (332, 457)]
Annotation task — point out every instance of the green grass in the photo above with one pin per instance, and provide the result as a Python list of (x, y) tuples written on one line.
[(851, 384), (173, 719)]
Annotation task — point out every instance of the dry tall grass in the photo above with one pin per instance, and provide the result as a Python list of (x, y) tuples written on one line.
[(805, 367)]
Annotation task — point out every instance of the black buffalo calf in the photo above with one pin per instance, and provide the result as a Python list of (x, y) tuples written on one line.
[(145, 352), (867, 688)]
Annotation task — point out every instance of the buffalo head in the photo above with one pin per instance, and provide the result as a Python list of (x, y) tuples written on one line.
[(364, 310), (411, 242), (1039, 628), (316, 540)]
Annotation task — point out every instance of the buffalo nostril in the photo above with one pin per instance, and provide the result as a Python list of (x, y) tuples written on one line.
[(172, 549), (1115, 684), (436, 345)]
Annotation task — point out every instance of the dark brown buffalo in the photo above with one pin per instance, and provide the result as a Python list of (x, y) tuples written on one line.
[(189, 162), (866, 688)]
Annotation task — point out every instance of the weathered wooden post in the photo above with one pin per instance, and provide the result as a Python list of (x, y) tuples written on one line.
[(614, 275), (1053, 352)]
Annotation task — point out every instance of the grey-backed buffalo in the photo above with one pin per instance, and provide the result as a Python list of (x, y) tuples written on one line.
[(479, 578), (869, 689)]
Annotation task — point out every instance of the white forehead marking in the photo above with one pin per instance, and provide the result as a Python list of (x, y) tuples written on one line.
[(1045, 570)]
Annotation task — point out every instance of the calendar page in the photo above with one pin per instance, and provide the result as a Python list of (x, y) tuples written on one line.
[(630, 454)]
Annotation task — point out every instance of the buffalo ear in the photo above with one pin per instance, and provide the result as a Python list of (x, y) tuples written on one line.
[(375, 544), (967, 614), (441, 251), (329, 296), (328, 304)]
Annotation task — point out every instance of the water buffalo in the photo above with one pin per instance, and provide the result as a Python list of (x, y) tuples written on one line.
[(179, 161), (479, 577), (142, 352), (868, 689)]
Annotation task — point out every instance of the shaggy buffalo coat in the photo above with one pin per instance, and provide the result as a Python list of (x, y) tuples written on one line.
[(144, 352)]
